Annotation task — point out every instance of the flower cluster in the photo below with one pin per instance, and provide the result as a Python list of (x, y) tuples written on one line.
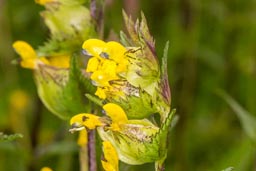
[(125, 79)]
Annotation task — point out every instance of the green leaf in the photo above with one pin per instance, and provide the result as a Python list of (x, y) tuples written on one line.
[(247, 120)]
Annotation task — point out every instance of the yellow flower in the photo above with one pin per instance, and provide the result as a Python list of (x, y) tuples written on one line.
[(107, 65), (30, 59), (28, 55), (91, 121), (110, 161)]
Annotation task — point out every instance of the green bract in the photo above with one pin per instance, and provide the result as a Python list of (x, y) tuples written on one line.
[(136, 141)]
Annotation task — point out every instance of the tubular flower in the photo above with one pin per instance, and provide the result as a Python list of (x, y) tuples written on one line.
[(28, 55), (30, 60), (136, 141)]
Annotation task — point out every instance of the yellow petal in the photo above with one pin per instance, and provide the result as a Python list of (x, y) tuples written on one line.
[(24, 50), (116, 51), (29, 63), (94, 46), (116, 113), (93, 64), (101, 93), (100, 78), (84, 119), (122, 67), (59, 61), (83, 138), (111, 158), (109, 68)]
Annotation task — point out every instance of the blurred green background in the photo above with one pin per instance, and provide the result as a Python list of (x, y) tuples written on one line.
[(212, 46)]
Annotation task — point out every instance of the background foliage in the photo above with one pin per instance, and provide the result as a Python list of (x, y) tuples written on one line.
[(212, 47)]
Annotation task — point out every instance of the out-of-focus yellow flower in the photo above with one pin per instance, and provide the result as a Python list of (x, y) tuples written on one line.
[(46, 169), (19, 100), (30, 59), (110, 161)]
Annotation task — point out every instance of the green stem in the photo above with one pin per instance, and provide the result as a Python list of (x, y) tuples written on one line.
[(83, 157)]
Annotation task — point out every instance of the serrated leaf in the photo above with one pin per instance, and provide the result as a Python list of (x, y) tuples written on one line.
[(130, 26), (140, 37), (164, 76), (144, 30), (161, 139)]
